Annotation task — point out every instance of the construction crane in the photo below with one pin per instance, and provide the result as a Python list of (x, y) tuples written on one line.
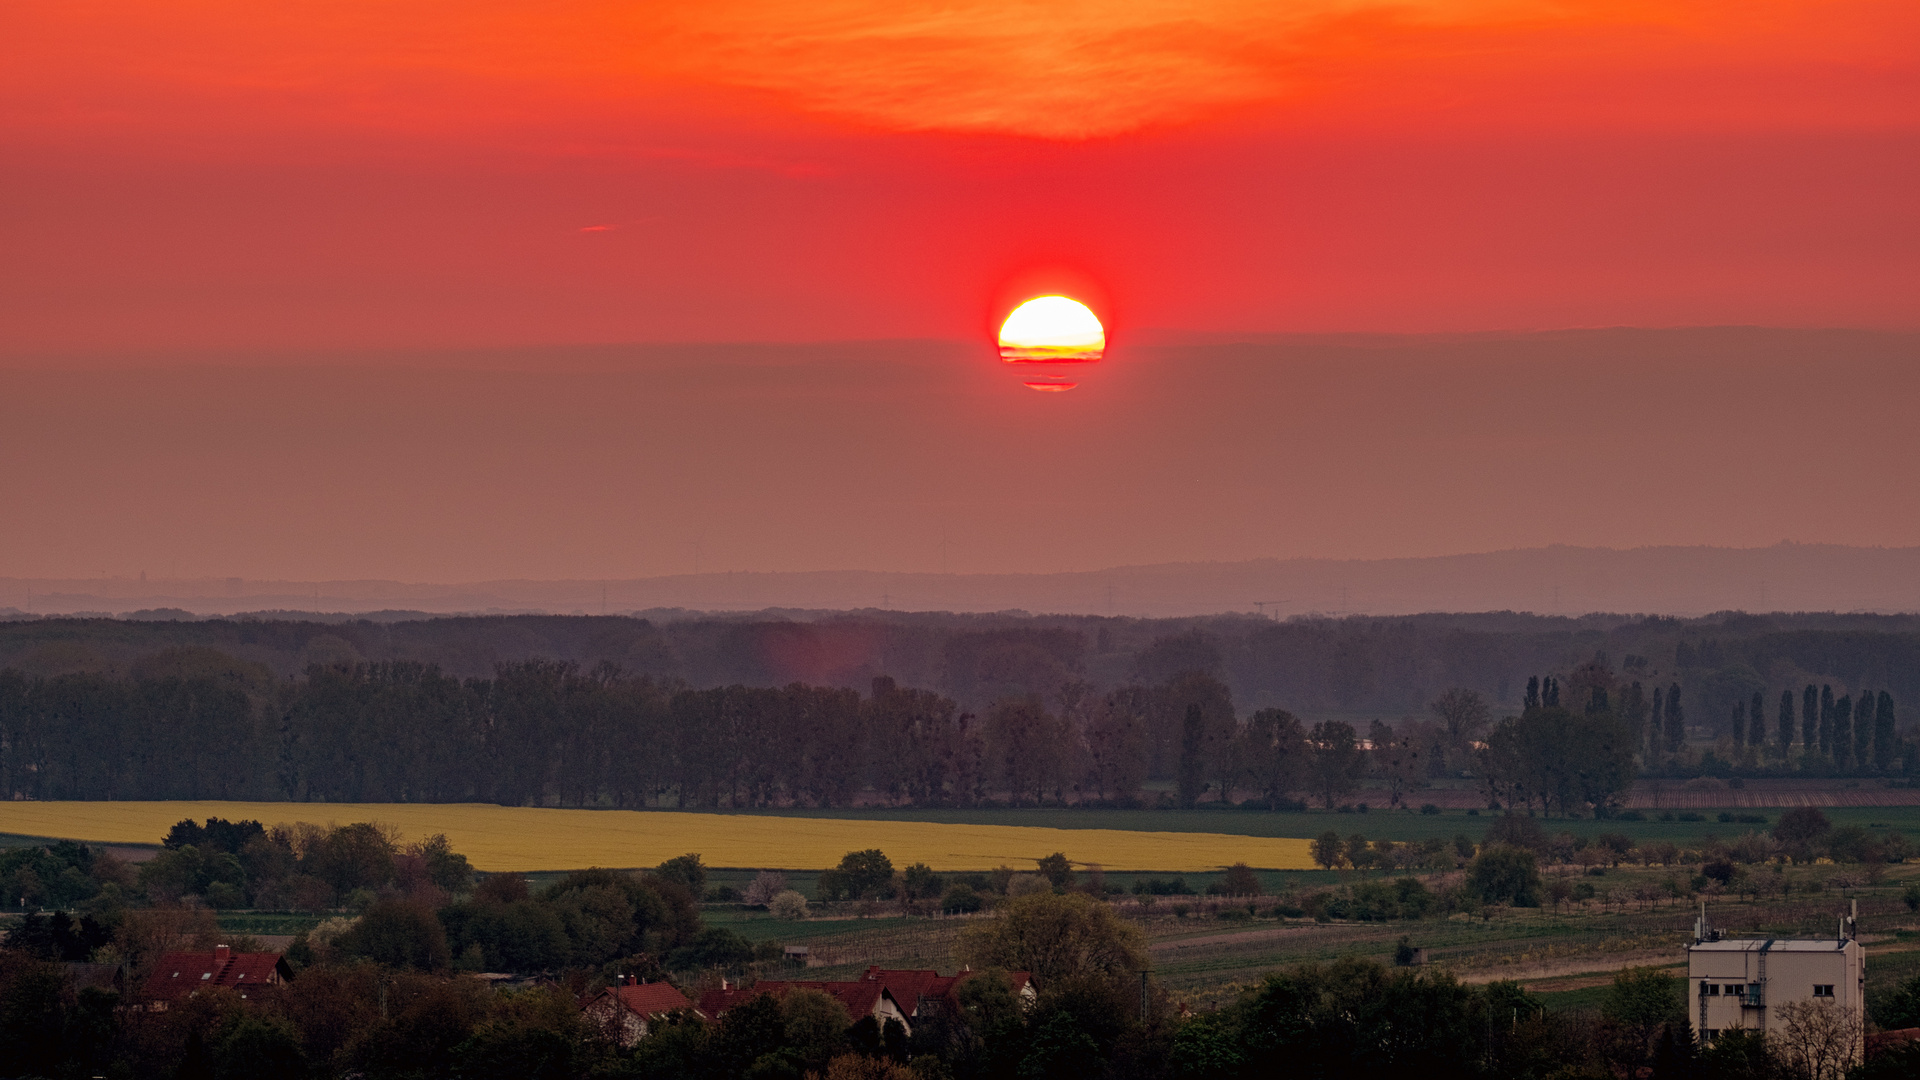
[(1262, 605)]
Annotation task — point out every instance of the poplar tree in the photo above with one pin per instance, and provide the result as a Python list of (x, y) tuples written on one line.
[(1826, 721), (1192, 777), (1863, 730), (1883, 732), (1657, 725), (1676, 720), (1633, 709), (1784, 725), (1886, 740), (1757, 719), (1843, 731), (1810, 718)]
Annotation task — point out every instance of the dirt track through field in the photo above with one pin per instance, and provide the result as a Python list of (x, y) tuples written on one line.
[(1600, 967), (1242, 937)]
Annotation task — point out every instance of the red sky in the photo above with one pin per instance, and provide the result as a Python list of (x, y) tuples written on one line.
[(344, 185)]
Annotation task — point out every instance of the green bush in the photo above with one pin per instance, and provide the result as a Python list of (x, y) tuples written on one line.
[(1503, 874)]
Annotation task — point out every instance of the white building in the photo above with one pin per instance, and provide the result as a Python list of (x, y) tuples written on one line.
[(1742, 983)]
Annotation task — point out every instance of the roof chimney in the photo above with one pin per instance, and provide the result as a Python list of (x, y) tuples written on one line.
[(221, 954)]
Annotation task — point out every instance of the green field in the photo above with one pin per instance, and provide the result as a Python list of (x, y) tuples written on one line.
[(1208, 953)]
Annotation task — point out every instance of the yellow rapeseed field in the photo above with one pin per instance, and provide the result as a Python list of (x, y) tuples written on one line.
[(527, 838)]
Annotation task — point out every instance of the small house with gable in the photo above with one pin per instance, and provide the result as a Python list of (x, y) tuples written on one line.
[(180, 975), (631, 1010)]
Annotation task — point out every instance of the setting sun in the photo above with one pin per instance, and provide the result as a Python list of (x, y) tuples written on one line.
[(1052, 329)]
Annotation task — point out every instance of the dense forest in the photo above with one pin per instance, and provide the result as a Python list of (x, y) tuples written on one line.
[(938, 709)]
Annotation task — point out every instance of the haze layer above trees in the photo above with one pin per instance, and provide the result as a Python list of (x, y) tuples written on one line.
[(927, 709), (1554, 580)]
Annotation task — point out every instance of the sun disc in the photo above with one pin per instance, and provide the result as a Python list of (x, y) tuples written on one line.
[(1052, 329)]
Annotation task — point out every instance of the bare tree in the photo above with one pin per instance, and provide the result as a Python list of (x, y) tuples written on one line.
[(1396, 760), (1335, 761), (1819, 1040), (1463, 715), (147, 934), (1116, 739), (1273, 747)]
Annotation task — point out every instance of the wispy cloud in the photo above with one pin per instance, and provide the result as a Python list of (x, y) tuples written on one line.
[(1061, 69)]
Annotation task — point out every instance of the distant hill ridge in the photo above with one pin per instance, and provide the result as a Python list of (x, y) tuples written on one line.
[(1556, 580)]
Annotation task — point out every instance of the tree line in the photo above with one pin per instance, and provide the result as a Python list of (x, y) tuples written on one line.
[(1391, 666), (195, 723), (203, 726)]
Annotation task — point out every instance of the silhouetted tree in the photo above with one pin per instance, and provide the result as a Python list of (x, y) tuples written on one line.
[(1274, 748), (1657, 725), (1193, 765), (1676, 720), (1826, 721), (1463, 715), (1633, 712), (1863, 729), (1117, 743), (1843, 731), (1783, 722), (1884, 734), (1810, 719), (1335, 761)]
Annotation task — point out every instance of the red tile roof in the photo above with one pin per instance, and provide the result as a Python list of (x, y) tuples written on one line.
[(180, 975), (715, 1003), (650, 999), (910, 988), (861, 998), (1882, 1041)]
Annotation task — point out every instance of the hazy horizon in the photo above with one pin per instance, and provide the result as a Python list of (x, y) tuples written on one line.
[(925, 458), (1555, 580)]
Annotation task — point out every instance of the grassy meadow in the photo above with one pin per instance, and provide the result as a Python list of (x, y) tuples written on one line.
[(534, 839)]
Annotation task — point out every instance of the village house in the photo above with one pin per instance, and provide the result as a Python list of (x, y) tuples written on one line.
[(628, 1012), (861, 998), (1746, 982), (180, 975), (920, 992), (881, 993)]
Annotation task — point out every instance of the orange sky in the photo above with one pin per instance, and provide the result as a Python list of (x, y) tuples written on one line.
[(358, 184), (431, 172)]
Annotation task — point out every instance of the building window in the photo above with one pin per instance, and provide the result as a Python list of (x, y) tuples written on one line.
[(1823, 990), (1713, 989)]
